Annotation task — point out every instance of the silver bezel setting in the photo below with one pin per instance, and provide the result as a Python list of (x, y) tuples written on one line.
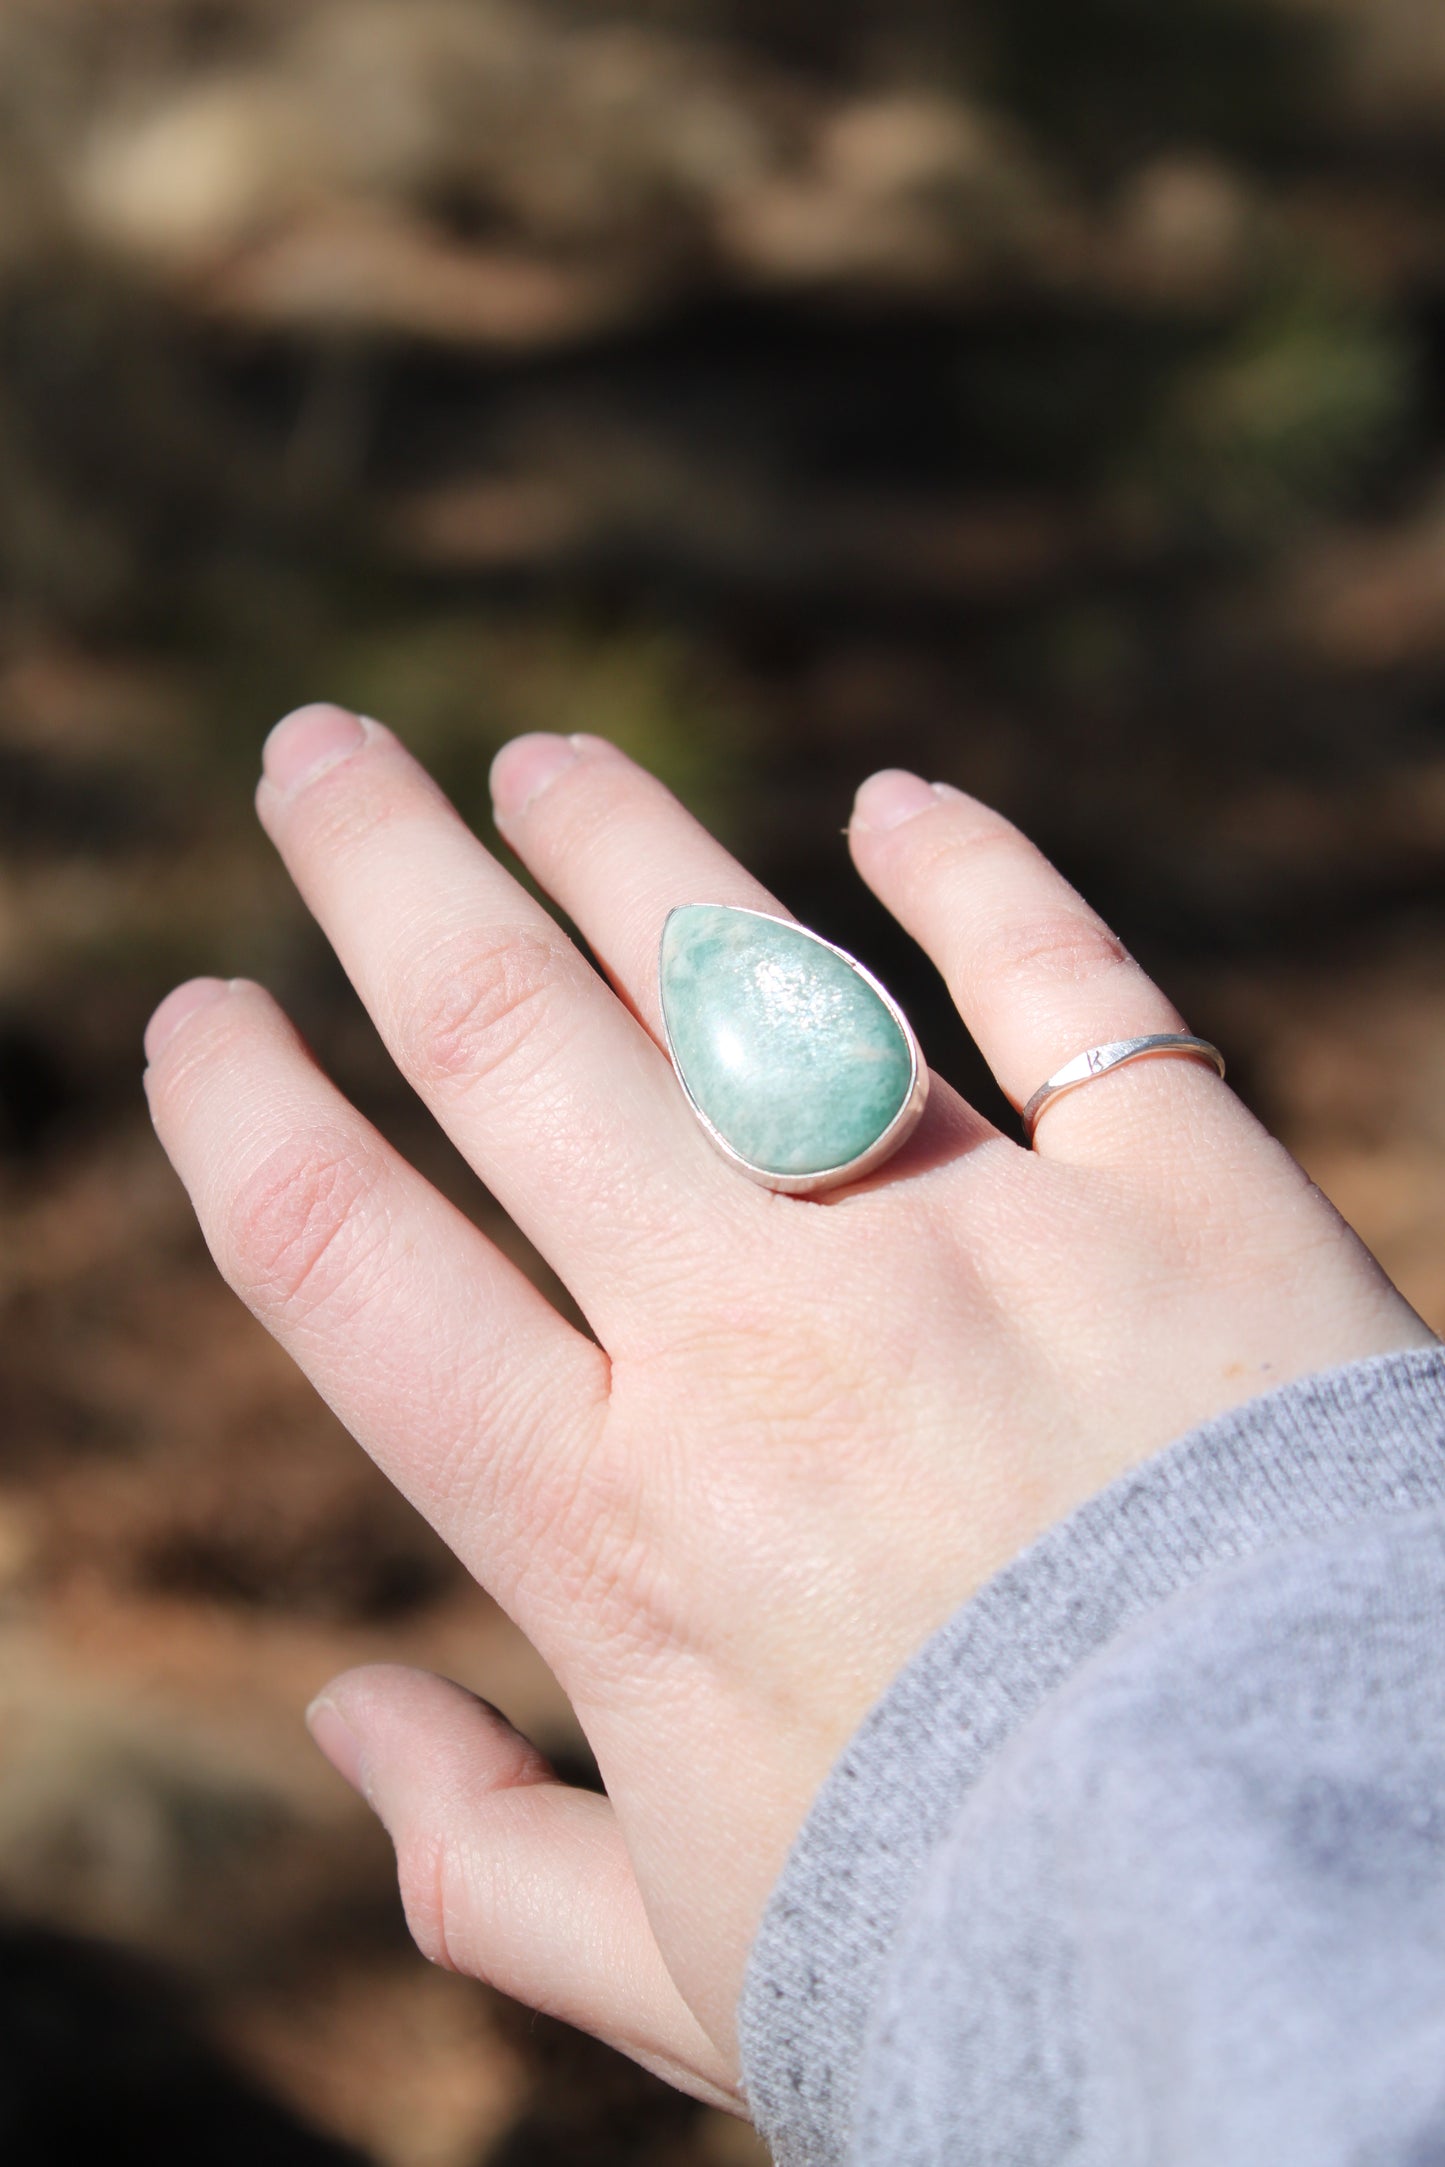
[(899, 1129)]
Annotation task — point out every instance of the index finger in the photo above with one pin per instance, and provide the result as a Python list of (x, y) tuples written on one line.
[(553, 1092)]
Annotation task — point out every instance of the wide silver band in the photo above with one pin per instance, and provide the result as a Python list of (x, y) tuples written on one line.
[(1098, 1060)]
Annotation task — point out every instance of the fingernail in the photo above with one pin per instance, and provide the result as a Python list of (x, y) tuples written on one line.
[(889, 798), (305, 743), (523, 769), (338, 1741), (174, 1009)]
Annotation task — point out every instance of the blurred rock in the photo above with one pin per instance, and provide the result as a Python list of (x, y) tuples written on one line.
[(116, 1818), (1186, 224), (405, 2061), (357, 271), (1374, 599), (912, 189), (202, 174), (1396, 80)]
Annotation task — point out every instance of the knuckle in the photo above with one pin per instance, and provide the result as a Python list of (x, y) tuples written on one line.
[(583, 822), (340, 817), (1062, 948), (424, 1876), (481, 1003), (211, 1047), (1059, 940), (947, 849), (577, 819), (296, 1234)]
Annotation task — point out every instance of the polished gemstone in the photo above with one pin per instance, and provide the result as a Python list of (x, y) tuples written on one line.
[(782, 1043)]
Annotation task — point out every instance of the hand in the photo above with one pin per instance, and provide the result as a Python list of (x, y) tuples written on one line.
[(811, 1428)]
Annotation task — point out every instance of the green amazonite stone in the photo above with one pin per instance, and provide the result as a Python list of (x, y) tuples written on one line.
[(784, 1046)]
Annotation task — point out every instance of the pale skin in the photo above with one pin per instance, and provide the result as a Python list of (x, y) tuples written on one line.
[(807, 1430)]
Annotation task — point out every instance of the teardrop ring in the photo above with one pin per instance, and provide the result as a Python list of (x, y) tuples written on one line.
[(801, 1068)]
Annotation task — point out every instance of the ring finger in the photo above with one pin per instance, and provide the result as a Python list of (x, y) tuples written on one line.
[(1036, 975)]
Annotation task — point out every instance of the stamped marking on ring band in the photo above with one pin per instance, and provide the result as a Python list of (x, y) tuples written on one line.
[(1098, 1060)]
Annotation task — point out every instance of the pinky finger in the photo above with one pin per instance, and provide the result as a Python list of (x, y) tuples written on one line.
[(508, 1874)]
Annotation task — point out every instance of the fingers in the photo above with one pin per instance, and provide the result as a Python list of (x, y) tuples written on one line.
[(567, 1110), (507, 1874), (435, 1351), (613, 846), (618, 852), (1036, 975)]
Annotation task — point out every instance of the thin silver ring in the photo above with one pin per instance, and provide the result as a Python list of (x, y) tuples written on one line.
[(1098, 1060)]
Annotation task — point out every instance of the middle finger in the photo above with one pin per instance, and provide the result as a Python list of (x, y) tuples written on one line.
[(552, 1091)]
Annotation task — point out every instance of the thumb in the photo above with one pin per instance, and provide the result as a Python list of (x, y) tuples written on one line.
[(508, 1874)]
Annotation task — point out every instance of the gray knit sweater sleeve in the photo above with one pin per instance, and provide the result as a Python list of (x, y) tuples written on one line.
[(1141, 1861)]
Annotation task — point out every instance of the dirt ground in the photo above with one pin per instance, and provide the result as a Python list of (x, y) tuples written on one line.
[(1020, 393)]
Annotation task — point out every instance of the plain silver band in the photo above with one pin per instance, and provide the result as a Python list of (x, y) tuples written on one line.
[(1100, 1059)]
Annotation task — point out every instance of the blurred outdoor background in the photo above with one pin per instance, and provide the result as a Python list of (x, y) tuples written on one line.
[(1045, 394)]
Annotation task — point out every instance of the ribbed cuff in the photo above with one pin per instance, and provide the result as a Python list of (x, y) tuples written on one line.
[(1318, 1454)]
